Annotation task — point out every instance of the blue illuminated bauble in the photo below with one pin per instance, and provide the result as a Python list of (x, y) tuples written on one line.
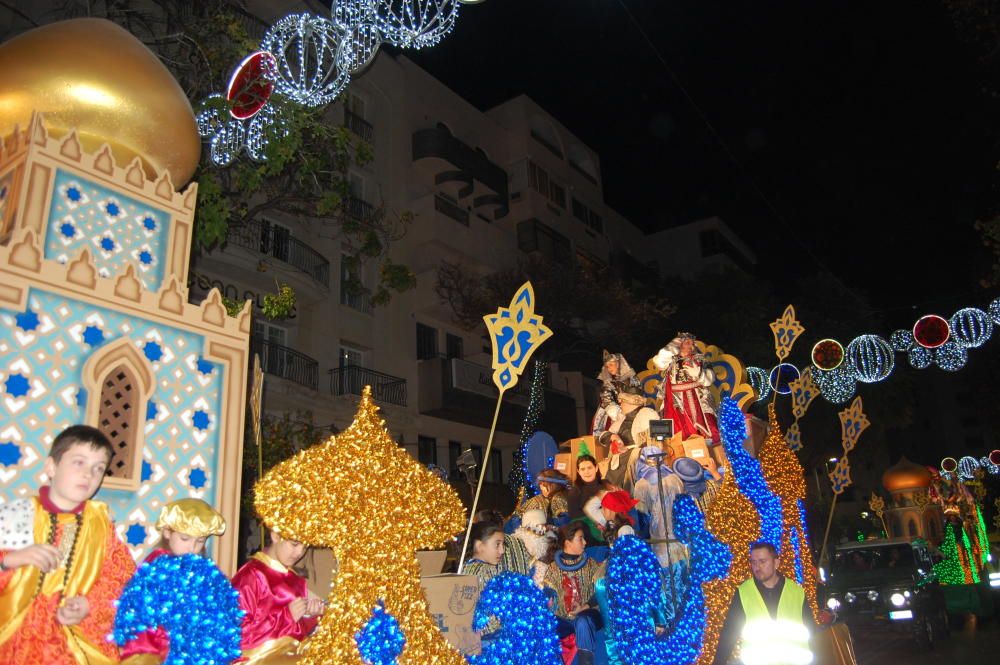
[(995, 311), (901, 340), (757, 378), (971, 327), (967, 467), (781, 376), (920, 357), (308, 53), (951, 356), (527, 633), (415, 23), (380, 640), (871, 358), (837, 386)]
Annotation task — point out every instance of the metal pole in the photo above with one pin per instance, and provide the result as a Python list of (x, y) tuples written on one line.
[(826, 534), (666, 530)]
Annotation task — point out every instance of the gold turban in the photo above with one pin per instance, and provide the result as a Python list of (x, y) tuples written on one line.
[(192, 517)]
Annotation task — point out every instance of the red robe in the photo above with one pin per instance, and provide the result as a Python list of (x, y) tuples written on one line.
[(155, 642), (266, 588)]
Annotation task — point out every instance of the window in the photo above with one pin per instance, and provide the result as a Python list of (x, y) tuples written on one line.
[(427, 342), (352, 286), (275, 240), (270, 342), (427, 450), (534, 236), (557, 194), (351, 357), (454, 451), (714, 243), (356, 181), (356, 105), (496, 466), (591, 219), (453, 346), (541, 183), (477, 452), (119, 419)]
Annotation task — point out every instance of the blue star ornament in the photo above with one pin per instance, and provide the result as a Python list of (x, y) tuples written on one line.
[(27, 321)]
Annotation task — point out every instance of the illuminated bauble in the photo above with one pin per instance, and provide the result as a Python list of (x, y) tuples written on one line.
[(251, 85), (967, 467), (995, 457), (361, 43), (264, 128), (94, 76), (307, 50), (781, 376), (931, 331), (225, 146), (210, 117), (971, 327), (995, 311), (905, 475), (349, 13), (949, 464), (986, 463), (951, 356), (415, 23), (901, 340), (920, 358), (837, 386), (827, 354), (757, 378), (871, 358)]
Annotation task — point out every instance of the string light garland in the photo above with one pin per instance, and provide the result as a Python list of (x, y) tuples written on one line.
[(994, 311), (192, 601), (374, 540), (871, 358), (757, 378), (519, 474), (786, 480), (736, 523), (307, 52), (415, 23), (748, 473), (380, 642), (949, 569), (527, 634), (971, 327), (951, 356), (982, 537)]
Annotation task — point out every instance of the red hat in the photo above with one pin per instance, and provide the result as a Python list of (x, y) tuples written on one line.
[(619, 501)]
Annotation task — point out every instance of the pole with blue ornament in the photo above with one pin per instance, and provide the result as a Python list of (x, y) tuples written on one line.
[(516, 333)]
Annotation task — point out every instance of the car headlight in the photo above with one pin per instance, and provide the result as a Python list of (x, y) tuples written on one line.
[(849, 597), (833, 604), (873, 595), (897, 599)]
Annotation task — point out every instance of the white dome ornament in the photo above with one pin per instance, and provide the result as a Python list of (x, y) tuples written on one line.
[(308, 52), (415, 23)]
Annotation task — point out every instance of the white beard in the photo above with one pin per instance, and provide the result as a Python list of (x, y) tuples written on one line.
[(537, 546)]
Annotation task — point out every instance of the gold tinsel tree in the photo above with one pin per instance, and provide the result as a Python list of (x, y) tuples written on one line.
[(365, 498), (786, 479)]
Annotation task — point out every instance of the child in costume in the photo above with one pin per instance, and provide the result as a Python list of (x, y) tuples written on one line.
[(185, 525), (61, 564), (279, 611)]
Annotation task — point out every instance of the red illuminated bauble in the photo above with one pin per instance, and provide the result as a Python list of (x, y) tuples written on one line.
[(995, 457), (251, 85), (828, 354), (931, 331)]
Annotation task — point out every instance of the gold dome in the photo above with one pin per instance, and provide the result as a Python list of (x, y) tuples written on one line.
[(905, 475), (93, 75)]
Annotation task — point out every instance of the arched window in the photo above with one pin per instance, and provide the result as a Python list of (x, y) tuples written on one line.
[(911, 527), (119, 383)]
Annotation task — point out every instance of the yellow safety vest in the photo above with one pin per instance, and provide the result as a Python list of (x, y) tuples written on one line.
[(780, 641)]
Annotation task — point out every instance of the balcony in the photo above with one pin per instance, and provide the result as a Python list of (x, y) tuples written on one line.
[(277, 243), (286, 363), (359, 126), (449, 209), (358, 209), (468, 166), (352, 380), (462, 391)]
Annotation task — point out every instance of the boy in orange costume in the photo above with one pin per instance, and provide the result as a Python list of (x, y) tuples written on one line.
[(61, 564)]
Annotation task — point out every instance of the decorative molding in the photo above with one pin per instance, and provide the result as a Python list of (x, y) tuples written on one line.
[(104, 161), (135, 176), (70, 147), (128, 286), (245, 318), (36, 129), (171, 298), (212, 309), (191, 196), (25, 252), (165, 187), (81, 270)]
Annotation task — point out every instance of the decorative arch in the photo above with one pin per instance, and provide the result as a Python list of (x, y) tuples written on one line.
[(912, 529), (119, 382)]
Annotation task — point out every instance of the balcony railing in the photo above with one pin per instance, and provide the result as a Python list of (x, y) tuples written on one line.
[(359, 301), (352, 380), (359, 209), (276, 242), (359, 126), (287, 363), (449, 209)]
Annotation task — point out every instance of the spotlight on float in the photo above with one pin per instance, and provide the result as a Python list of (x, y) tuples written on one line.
[(467, 464)]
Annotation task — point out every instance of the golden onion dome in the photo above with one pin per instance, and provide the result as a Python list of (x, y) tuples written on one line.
[(906, 475), (95, 76)]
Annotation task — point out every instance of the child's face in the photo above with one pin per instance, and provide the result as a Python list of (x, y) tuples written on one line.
[(77, 475), (180, 543), (288, 552)]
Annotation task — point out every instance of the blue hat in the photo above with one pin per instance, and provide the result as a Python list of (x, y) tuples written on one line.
[(688, 470)]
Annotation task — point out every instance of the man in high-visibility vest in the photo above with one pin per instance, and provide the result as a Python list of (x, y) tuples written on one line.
[(769, 617)]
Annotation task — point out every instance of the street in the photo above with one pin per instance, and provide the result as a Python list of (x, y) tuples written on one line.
[(879, 644)]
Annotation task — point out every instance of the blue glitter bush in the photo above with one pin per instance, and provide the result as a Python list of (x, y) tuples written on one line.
[(527, 634)]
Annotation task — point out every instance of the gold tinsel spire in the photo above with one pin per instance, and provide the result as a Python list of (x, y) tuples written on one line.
[(369, 501)]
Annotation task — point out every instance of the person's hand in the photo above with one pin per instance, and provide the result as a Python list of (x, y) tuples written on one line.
[(298, 608), (315, 607), (44, 557), (73, 611)]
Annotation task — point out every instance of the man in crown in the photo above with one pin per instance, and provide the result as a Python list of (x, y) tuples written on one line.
[(616, 377), (684, 392)]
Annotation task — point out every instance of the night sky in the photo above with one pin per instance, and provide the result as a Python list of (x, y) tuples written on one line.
[(845, 135)]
